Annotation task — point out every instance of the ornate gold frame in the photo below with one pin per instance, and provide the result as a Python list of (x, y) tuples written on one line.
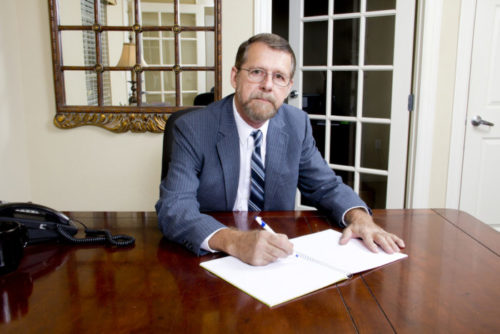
[(139, 118)]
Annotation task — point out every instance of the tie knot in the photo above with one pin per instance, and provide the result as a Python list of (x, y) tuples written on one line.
[(257, 137)]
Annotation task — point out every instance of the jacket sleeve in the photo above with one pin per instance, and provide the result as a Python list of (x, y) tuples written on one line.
[(319, 185), (178, 209)]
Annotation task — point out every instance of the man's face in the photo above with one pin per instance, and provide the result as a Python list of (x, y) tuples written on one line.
[(257, 102)]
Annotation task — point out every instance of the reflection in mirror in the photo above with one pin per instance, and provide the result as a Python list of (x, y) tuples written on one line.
[(125, 65)]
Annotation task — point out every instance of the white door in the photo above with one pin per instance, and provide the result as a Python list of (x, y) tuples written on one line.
[(354, 64), (481, 167)]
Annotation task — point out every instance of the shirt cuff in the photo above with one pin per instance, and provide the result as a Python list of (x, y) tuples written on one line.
[(343, 222), (204, 244)]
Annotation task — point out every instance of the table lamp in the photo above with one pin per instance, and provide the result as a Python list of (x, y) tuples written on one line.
[(127, 59)]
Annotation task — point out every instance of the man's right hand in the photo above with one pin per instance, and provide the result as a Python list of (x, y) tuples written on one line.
[(256, 247)]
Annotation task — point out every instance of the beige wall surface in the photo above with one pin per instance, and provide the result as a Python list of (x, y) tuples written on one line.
[(86, 168), (237, 26), (14, 162)]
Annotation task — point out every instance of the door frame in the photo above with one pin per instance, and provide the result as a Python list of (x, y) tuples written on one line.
[(421, 147), (460, 102), (262, 16), (425, 75)]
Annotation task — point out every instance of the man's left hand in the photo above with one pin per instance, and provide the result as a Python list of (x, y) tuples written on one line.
[(361, 225)]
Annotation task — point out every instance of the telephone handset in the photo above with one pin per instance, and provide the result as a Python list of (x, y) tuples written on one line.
[(45, 224), (33, 211)]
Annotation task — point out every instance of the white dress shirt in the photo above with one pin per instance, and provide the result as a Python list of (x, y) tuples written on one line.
[(246, 150)]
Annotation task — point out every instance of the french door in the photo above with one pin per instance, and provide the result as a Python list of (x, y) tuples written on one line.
[(353, 78)]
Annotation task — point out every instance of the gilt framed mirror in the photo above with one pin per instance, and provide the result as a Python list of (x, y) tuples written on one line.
[(126, 65)]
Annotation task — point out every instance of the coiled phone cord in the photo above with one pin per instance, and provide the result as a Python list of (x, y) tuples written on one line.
[(100, 237)]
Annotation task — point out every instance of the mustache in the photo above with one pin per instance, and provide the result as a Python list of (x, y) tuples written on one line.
[(263, 96)]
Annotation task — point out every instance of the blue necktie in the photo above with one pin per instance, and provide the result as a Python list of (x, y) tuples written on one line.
[(258, 176)]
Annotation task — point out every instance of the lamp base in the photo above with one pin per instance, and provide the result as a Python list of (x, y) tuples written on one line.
[(133, 95)]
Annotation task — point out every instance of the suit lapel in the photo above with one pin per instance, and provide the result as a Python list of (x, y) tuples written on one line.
[(228, 149), (276, 144)]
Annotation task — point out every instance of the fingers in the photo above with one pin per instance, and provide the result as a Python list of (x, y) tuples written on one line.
[(400, 242), (281, 245), (276, 245), (261, 247), (361, 225), (370, 244), (366, 234), (373, 237), (262, 259), (389, 242), (346, 236), (384, 240), (386, 244)]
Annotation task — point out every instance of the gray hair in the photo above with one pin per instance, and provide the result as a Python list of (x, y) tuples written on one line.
[(273, 41)]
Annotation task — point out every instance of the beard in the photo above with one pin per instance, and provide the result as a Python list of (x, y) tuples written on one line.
[(256, 109)]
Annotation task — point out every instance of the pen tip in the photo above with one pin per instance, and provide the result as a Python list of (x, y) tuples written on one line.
[(258, 219)]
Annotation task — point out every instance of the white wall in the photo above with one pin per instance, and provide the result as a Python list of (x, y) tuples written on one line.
[(86, 168)]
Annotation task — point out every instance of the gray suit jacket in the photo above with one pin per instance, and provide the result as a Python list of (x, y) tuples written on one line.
[(204, 171)]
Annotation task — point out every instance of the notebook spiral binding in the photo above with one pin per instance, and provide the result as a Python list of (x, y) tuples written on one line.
[(310, 258)]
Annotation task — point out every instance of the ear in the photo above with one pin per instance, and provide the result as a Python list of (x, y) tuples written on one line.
[(234, 73)]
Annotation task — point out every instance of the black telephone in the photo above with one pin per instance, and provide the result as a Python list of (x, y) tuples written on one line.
[(45, 224)]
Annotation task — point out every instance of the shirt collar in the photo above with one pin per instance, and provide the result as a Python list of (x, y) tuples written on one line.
[(244, 130)]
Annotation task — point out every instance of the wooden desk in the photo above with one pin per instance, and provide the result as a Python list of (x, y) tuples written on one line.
[(449, 283)]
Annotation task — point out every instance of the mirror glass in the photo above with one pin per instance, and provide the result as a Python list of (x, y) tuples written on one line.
[(133, 62)]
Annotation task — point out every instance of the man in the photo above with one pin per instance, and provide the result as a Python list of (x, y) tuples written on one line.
[(213, 160)]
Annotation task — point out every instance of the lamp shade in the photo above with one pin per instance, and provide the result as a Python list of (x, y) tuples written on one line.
[(127, 58)]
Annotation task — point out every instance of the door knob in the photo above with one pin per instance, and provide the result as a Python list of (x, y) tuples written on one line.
[(294, 94), (477, 120)]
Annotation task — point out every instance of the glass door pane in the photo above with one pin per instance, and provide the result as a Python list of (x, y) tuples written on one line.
[(348, 71)]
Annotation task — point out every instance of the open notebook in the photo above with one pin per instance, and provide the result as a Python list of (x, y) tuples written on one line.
[(320, 262)]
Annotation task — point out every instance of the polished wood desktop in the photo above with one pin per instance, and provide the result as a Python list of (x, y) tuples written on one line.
[(450, 283)]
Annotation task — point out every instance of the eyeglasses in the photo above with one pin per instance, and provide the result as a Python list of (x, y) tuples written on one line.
[(259, 74)]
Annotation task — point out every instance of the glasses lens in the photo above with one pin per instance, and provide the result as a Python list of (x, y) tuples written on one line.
[(258, 74), (280, 80)]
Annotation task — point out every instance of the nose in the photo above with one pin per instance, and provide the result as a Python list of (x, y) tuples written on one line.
[(267, 84)]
